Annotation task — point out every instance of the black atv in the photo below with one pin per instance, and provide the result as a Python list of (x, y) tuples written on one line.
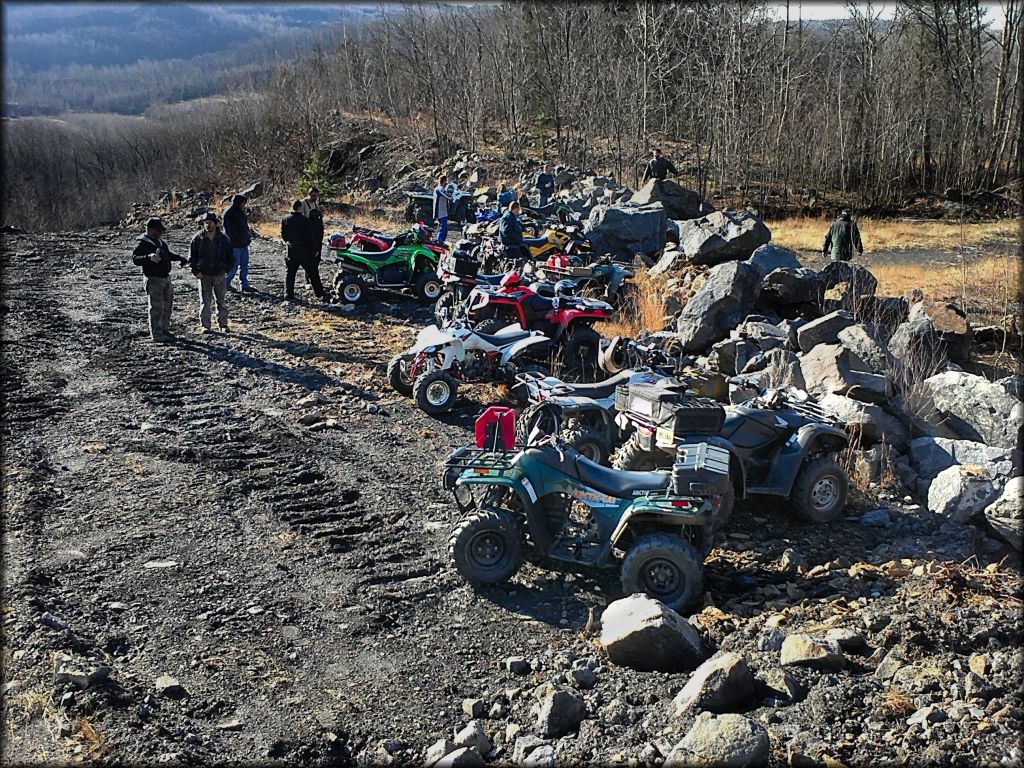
[(780, 443)]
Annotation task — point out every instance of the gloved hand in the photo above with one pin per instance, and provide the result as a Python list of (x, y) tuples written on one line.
[(154, 257)]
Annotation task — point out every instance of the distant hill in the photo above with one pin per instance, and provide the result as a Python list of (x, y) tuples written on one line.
[(110, 57)]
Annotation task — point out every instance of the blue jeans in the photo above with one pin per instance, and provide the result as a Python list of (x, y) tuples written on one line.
[(442, 229), (241, 264)]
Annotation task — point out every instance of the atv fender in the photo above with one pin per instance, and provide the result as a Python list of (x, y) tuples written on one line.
[(661, 512), (737, 472), (524, 490), (809, 439), (519, 346)]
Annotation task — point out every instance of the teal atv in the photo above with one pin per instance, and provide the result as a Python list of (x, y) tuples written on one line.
[(404, 262), (546, 503)]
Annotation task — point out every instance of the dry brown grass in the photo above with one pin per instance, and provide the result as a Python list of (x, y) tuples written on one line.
[(988, 281), (650, 310), (896, 704), (804, 233)]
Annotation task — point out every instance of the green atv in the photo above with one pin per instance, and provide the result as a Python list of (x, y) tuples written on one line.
[(406, 261)]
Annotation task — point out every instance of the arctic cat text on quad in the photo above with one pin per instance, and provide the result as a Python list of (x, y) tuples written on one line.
[(408, 264)]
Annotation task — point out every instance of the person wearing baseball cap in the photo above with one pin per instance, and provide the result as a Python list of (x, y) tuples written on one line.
[(210, 257), (154, 256)]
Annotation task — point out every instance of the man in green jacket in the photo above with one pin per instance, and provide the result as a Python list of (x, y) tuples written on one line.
[(842, 237)]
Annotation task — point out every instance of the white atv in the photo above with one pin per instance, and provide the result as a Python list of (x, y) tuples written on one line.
[(430, 371)]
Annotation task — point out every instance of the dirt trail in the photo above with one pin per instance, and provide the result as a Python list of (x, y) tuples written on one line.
[(165, 513)]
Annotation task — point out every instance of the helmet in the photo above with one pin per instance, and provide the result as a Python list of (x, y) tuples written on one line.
[(565, 288)]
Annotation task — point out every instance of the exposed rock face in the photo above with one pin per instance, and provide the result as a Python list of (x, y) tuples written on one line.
[(990, 410), (721, 303)]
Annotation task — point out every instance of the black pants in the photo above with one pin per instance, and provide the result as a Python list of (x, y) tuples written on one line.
[(312, 270)]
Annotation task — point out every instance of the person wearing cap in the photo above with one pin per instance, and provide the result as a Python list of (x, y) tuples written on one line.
[(236, 227), (297, 230), (311, 210), (210, 257), (841, 239), (658, 167), (155, 257)]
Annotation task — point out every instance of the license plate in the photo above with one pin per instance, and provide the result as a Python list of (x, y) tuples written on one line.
[(665, 437)]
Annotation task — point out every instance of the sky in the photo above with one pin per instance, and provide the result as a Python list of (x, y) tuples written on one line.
[(813, 9)]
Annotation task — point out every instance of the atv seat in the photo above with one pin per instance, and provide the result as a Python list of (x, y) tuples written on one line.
[(504, 339), (375, 255), (610, 481), (598, 389)]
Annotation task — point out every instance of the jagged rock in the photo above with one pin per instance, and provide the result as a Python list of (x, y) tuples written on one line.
[(866, 346), (919, 350), (438, 750), (644, 634), (824, 330), (859, 279), (678, 201), (725, 741), (473, 735), (888, 311), (729, 356), (561, 712), (848, 639), (931, 455), (524, 746), (960, 492), (950, 323), (626, 230), (990, 410), (722, 236), (1004, 514), (716, 685), (787, 286), (542, 757), (719, 305), (767, 258), (464, 757), (782, 370), (812, 652), (832, 368), (873, 423)]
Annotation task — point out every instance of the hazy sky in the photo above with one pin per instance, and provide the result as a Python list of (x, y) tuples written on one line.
[(812, 9)]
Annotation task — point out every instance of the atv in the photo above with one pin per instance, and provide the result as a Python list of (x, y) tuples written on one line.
[(602, 279), (407, 264), (459, 270), (420, 206), (546, 503), (780, 444), (366, 239)]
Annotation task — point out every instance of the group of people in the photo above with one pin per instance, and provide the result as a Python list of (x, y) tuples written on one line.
[(216, 256)]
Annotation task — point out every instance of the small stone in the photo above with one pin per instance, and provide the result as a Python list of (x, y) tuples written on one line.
[(497, 711), (926, 716), (170, 687), (889, 666), (770, 639), (583, 677), (230, 724), (474, 708), (848, 639), (877, 518), (542, 757), (372, 408), (561, 712), (464, 757), (473, 735), (978, 688), (716, 685), (726, 741), (53, 622), (437, 750), (517, 665), (978, 664), (160, 564), (524, 745), (812, 652), (792, 561), (876, 622)]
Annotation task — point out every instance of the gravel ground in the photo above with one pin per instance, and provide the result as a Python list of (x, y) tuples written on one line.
[(193, 574)]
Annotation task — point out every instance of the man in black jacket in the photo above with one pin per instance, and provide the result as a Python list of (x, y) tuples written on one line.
[(155, 257), (510, 234), (545, 184), (236, 227), (210, 257), (303, 251), (658, 167)]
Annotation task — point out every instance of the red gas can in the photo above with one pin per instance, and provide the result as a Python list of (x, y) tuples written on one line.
[(496, 428)]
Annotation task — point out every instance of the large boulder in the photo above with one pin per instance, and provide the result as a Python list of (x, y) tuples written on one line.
[(950, 323), (960, 492), (931, 455), (989, 410), (644, 634), (859, 279), (719, 305), (788, 285), (873, 424), (918, 350), (781, 370), (1004, 515), (865, 345), (678, 201), (722, 236), (725, 741), (832, 368), (716, 685), (626, 230), (824, 330), (767, 258)]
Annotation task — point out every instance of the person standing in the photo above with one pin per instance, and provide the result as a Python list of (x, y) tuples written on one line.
[(545, 183), (442, 206), (236, 227), (842, 238), (210, 257), (155, 257), (658, 167), (311, 210), (297, 231)]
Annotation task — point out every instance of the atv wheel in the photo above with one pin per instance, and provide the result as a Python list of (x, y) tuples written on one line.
[(487, 547), (819, 492), (589, 442), (579, 353), (398, 375), (428, 287), (350, 289), (665, 567), (531, 417), (435, 392), (632, 457)]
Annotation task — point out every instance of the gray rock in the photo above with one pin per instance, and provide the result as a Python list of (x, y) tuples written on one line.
[(725, 741), (857, 277), (950, 323), (813, 652), (787, 285), (561, 712), (991, 410), (824, 330), (872, 423), (517, 665), (782, 370), (473, 735), (926, 716), (977, 688), (1004, 514), (463, 757), (542, 757), (625, 231), (584, 677), (889, 666), (830, 368), (437, 750), (865, 346), (474, 708), (848, 639), (170, 687), (770, 639), (644, 634), (678, 201), (719, 305), (767, 258), (723, 236), (919, 351), (960, 492), (931, 455), (877, 518), (717, 685), (525, 745)]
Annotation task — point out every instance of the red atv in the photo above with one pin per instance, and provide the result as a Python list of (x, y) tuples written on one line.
[(568, 320)]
